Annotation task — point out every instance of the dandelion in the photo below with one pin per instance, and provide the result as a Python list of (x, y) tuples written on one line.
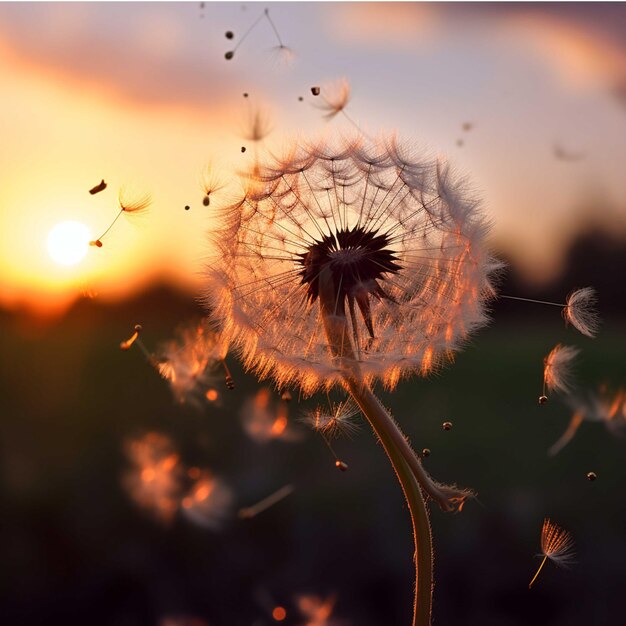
[(603, 406), (154, 482), (579, 309), (557, 369), (349, 264), (557, 545), (208, 502), (188, 362), (130, 205)]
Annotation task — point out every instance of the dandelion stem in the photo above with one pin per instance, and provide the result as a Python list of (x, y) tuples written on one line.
[(387, 432), (530, 584)]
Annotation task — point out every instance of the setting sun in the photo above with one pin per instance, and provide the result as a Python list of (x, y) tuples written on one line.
[(68, 242)]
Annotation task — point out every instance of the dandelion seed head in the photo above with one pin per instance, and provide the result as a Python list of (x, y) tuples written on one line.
[(556, 544), (557, 368), (580, 311), (361, 242)]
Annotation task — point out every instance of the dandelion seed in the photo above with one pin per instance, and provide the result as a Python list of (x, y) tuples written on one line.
[(467, 126), (447, 426), (187, 207), (131, 205), (211, 181), (229, 55), (340, 465), (125, 345), (591, 476), (245, 95), (208, 502), (188, 362), (154, 481), (263, 421), (101, 186), (317, 611), (266, 503), (579, 309), (337, 420), (335, 98), (603, 406), (425, 452), (557, 545), (557, 369), (315, 91), (258, 126), (300, 98), (229, 34), (243, 148)]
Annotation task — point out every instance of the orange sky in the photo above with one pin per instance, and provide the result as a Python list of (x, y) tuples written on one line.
[(141, 94)]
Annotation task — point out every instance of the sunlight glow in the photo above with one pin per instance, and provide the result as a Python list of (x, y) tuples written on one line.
[(68, 242)]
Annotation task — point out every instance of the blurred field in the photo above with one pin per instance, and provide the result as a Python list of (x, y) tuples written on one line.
[(77, 550)]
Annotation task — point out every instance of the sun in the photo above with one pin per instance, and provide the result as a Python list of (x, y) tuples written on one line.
[(68, 242)]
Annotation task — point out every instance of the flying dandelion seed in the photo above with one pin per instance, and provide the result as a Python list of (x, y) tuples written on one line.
[(557, 545), (208, 503), (282, 49), (604, 406), (131, 205), (447, 426), (125, 345), (425, 452), (211, 181), (347, 264), (101, 186), (315, 91), (263, 421), (245, 95), (258, 125), (154, 481), (229, 34), (187, 207), (317, 611), (266, 503), (300, 98), (336, 420), (557, 368), (243, 148), (579, 309), (188, 362), (467, 126), (335, 98), (591, 476)]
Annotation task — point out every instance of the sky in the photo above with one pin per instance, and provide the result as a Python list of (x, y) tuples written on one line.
[(140, 94)]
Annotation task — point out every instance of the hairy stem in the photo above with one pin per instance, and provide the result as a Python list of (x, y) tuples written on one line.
[(384, 427)]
